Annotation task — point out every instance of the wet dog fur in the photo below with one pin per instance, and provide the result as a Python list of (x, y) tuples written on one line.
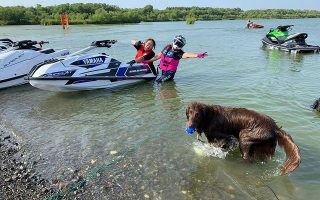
[(257, 133)]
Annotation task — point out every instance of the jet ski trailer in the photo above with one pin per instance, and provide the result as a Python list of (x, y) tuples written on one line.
[(80, 71), (280, 39), (17, 62)]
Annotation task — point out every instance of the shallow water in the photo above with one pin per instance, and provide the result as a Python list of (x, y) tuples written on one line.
[(71, 129)]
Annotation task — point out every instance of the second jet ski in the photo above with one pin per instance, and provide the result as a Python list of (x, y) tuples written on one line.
[(280, 39), (16, 62)]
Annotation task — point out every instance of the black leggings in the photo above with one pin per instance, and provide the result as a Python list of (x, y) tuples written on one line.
[(166, 76)]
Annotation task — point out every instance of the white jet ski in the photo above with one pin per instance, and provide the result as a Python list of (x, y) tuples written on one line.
[(80, 71), (17, 62)]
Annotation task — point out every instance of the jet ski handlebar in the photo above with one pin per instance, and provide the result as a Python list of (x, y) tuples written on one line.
[(103, 43), (25, 44), (95, 44), (284, 28), (6, 40)]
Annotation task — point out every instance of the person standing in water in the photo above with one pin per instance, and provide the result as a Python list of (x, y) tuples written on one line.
[(144, 53), (170, 57), (249, 23)]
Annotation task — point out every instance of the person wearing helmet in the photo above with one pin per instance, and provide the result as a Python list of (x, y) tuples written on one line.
[(170, 57), (249, 23), (144, 53)]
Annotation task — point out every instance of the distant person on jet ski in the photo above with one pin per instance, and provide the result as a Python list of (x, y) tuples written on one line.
[(170, 57), (144, 53), (249, 23)]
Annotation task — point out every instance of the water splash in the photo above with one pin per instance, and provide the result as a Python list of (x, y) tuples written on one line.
[(204, 149)]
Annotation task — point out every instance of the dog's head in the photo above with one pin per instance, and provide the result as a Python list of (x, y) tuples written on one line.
[(316, 105), (195, 113)]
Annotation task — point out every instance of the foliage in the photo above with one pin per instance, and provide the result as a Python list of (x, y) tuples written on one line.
[(190, 19), (100, 13)]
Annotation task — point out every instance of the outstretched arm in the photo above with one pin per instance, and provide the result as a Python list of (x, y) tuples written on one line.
[(156, 57), (140, 59), (193, 55)]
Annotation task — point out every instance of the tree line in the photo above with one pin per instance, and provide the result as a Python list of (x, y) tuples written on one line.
[(100, 13)]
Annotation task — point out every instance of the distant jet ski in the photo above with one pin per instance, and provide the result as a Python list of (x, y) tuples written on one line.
[(279, 38), (5, 43), (256, 26), (17, 62), (81, 71), (252, 25)]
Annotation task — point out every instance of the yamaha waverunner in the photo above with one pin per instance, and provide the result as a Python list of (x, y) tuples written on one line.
[(5, 43), (80, 71), (279, 38), (17, 63)]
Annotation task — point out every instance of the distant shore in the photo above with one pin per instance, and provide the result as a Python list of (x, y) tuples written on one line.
[(100, 13)]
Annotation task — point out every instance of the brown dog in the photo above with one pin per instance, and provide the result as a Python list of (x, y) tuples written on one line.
[(257, 133)]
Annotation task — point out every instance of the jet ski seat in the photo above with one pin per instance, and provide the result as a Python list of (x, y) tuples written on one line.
[(47, 51), (298, 37)]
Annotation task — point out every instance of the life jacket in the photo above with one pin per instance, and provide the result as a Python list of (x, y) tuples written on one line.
[(142, 52), (170, 59)]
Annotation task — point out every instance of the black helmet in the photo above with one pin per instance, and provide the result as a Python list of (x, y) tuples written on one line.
[(178, 42)]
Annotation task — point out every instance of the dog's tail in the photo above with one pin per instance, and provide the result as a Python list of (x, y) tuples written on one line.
[(293, 158)]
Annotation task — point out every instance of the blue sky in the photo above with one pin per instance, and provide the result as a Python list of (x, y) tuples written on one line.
[(161, 4)]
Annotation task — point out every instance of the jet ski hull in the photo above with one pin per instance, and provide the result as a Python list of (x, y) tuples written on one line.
[(290, 48), (79, 84), (15, 81), (256, 26)]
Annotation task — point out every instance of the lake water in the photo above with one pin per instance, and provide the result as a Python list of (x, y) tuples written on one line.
[(71, 130)]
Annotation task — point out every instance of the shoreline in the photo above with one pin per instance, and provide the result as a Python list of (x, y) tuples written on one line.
[(19, 179), (180, 20)]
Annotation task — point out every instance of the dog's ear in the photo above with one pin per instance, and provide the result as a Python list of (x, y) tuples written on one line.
[(187, 112), (207, 112)]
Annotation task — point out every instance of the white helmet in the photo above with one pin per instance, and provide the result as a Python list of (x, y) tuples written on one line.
[(178, 42)]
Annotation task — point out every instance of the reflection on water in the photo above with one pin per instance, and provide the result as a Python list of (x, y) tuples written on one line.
[(169, 97), (280, 59)]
